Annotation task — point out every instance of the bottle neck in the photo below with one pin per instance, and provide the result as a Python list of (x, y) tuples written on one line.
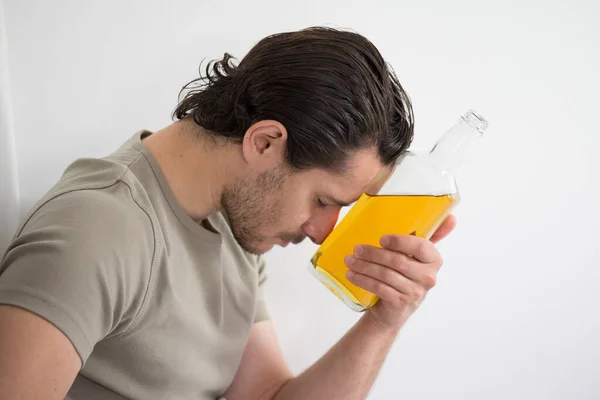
[(451, 151)]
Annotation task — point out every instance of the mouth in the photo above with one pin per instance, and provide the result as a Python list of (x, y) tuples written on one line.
[(284, 242)]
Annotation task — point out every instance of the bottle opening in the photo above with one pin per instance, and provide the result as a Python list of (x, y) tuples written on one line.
[(475, 121)]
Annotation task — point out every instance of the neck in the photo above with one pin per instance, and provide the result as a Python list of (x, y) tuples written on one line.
[(197, 167)]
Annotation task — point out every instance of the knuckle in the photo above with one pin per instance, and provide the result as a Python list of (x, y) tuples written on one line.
[(398, 262), (422, 250), (380, 287), (429, 281), (417, 294), (388, 275), (439, 262), (403, 300)]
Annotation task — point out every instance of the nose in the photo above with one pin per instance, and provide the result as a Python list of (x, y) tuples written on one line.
[(320, 225)]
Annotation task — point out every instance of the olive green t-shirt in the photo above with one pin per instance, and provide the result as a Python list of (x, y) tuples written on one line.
[(156, 305)]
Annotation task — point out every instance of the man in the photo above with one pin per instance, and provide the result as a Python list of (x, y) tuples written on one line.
[(139, 274)]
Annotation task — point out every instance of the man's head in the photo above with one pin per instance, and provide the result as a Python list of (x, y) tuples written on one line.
[(318, 115)]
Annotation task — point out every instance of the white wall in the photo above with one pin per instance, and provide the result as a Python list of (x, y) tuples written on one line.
[(9, 189), (515, 314)]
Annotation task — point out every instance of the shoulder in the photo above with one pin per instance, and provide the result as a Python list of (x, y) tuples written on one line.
[(109, 207), (94, 221), (94, 195)]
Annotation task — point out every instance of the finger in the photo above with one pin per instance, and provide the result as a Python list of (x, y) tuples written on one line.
[(381, 273), (444, 230), (424, 274), (381, 289), (419, 248)]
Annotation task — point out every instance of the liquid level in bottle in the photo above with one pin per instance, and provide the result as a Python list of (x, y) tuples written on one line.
[(369, 219)]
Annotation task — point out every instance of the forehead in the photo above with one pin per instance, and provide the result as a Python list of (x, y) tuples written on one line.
[(363, 173)]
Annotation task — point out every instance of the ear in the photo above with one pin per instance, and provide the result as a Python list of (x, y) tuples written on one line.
[(264, 144)]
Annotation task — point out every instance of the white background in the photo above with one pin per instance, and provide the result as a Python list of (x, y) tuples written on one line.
[(516, 313)]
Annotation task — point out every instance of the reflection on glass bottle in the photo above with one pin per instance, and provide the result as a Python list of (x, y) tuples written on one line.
[(418, 196)]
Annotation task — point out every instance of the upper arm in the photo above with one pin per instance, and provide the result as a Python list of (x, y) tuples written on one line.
[(80, 269), (36, 359), (263, 370), (81, 262)]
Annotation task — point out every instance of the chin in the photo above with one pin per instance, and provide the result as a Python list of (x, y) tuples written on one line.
[(258, 249), (268, 246)]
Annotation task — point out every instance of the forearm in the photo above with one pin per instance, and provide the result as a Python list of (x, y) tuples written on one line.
[(348, 370), (400, 273)]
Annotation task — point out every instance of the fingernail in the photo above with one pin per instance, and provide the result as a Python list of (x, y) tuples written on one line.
[(385, 241), (350, 260), (350, 274), (358, 250)]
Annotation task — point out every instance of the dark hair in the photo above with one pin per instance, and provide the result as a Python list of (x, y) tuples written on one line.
[(331, 89)]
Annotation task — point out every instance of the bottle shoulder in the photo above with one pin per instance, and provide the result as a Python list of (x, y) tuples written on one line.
[(417, 174)]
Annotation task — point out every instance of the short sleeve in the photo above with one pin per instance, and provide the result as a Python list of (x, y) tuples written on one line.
[(82, 262), (262, 312)]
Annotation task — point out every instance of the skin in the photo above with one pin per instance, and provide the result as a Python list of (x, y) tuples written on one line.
[(268, 205)]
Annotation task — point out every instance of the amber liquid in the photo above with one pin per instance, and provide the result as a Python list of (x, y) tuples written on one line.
[(369, 219)]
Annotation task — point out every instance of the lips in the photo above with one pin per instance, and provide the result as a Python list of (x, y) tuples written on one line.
[(295, 239)]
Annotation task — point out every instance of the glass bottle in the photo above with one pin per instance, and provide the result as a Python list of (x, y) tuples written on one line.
[(417, 197)]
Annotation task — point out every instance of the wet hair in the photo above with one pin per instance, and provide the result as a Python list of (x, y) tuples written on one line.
[(330, 88)]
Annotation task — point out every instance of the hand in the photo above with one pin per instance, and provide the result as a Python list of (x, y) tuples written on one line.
[(401, 282)]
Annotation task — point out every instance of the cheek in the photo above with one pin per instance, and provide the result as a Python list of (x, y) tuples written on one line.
[(294, 212), (295, 204)]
